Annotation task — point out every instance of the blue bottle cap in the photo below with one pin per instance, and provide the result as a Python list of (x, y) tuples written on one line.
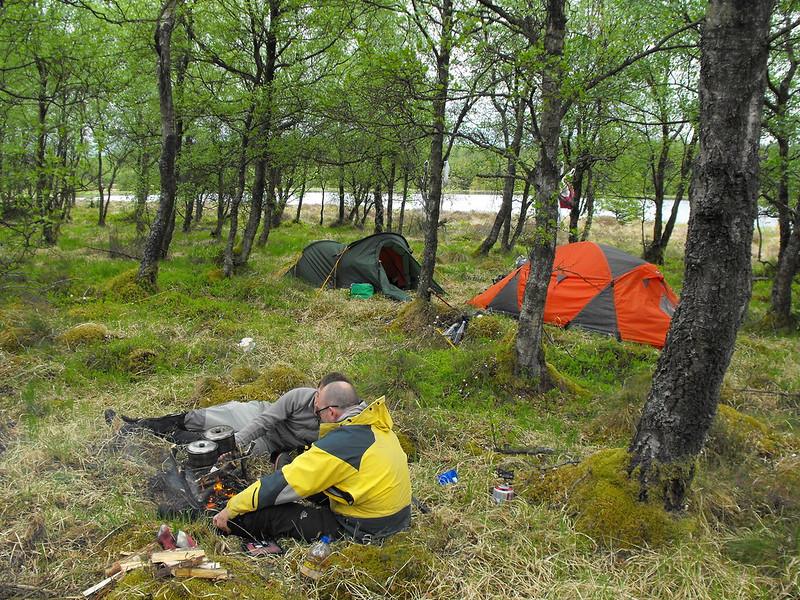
[(325, 539)]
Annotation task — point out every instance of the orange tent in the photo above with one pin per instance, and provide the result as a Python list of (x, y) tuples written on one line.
[(595, 287)]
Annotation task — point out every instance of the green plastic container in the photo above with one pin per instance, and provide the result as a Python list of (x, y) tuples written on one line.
[(361, 290)]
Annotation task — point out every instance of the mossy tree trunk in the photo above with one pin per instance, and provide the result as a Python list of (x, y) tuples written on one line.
[(717, 281), (780, 125), (436, 158), (529, 355), (148, 268)]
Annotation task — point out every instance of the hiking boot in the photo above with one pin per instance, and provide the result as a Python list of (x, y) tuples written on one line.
[(161, 426), (183, 437), (109, 415)]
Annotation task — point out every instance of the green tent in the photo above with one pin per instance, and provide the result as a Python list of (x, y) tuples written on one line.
[(382, 259)]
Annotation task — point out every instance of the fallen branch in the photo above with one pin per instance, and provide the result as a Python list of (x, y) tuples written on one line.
[(768, 392), (534, 451), (114, 252), (27, 590)]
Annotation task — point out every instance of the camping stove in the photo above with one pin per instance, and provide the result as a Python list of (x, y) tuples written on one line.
[(207, 475)]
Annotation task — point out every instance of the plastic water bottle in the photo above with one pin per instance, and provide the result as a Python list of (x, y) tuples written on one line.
[(317, 556)]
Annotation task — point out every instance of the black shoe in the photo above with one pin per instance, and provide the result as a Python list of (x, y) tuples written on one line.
[(162, 426), (182, 436)]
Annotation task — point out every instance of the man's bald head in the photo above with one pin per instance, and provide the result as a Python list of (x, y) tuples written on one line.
[(339, 393)]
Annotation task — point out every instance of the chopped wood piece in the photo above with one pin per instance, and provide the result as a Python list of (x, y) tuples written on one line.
[(108, 581), (173, 557), (125, 565)]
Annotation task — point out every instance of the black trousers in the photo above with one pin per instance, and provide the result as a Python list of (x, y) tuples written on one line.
[(293, 520)]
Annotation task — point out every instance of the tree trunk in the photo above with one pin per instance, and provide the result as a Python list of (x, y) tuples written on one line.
[(302, 194), (322, 204), (654, 252), (142, 191), (378, 197), (582, 165), (148, 268), (523, 213), (717, 277), (101, 217), (403, 202), (221, 204), (199, 205), (529, 352), (340, 218), (269, 208), (390, 193), (256, 204), (228, 258), (781, 298), (587, 226), (188, 214), (436, 159)]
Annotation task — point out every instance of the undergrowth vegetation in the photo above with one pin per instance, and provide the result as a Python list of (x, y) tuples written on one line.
[(78, 335)]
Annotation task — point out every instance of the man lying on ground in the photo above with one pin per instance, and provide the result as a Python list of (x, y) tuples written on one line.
[(357, 463), (287, 424)]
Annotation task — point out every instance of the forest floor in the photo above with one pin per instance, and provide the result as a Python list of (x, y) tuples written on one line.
[(76, 494)]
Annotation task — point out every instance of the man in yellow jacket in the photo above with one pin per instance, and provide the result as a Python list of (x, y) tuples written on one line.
[(357, 463)]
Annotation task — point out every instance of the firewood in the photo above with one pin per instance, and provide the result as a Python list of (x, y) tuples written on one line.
[(125, 565), (173, 557), (102, 585)]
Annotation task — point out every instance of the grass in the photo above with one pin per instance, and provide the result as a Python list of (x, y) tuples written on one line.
[(75, 494)]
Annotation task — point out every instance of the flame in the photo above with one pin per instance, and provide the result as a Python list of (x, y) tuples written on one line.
[(220, 493)]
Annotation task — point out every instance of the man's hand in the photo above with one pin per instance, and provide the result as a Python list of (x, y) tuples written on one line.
[(220, 520)]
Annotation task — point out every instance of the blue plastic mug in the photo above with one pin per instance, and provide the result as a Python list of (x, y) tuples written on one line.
[(450, 476)]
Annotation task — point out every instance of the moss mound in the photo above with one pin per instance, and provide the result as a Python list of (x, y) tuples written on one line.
[(215, 275), (418, 320), (126, 288), (243, 374), (141, 360), (268, 386), (16, 338), (490, 327), (505, 360), (734, 434), (85, 333), (604, 502), (400, 568), (408, 445)]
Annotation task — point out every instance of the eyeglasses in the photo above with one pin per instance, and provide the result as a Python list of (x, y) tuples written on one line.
[(317, 412)]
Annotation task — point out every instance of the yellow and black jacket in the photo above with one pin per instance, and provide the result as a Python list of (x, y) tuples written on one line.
[(358, 463)]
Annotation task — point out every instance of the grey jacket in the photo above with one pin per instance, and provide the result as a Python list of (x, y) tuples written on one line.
[(287, 423)]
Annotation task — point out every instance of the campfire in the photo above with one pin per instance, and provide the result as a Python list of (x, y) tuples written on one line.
[(201, 476), (219, 496)]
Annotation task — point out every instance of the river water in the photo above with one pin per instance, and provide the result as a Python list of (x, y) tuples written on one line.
[(480, 203)]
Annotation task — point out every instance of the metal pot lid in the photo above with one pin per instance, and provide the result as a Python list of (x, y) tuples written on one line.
[(201, 447), (220, 432)]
